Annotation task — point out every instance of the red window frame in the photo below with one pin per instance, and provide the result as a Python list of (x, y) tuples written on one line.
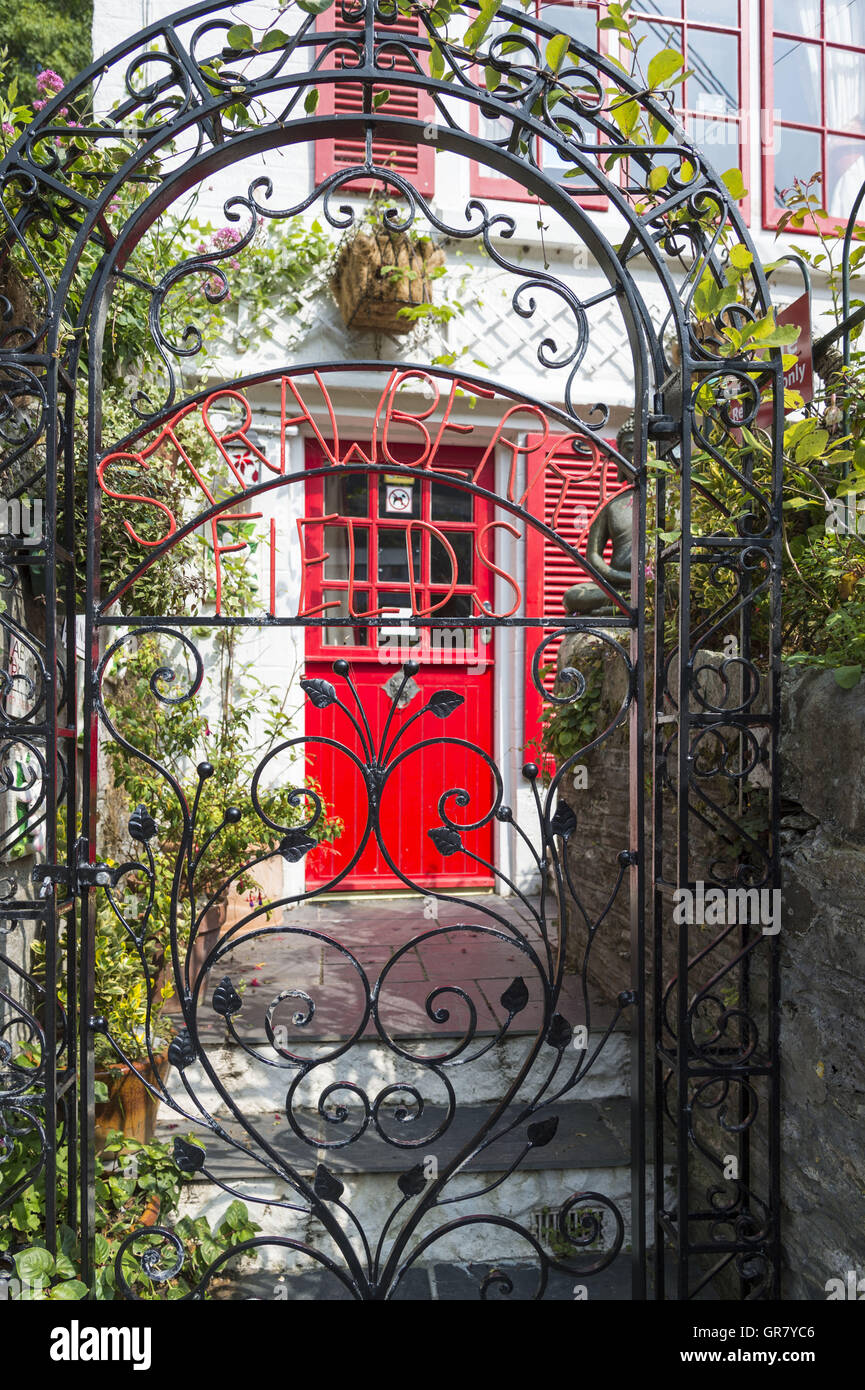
[(416, 161), (319, 588), (487, 185), (772, 211), (739, 154)]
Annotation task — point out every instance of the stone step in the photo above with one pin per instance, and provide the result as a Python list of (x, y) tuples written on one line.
[(590, 1134)]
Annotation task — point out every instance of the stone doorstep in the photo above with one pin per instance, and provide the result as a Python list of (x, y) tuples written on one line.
[(590, 1134), (441, 1283)]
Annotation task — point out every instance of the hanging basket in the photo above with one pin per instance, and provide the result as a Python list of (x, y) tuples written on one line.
[(378, 273)]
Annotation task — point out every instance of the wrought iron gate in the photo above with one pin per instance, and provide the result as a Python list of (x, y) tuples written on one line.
[(701, 1011)]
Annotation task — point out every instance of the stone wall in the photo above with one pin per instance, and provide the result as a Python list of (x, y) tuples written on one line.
[(823, 982), (822, 960)]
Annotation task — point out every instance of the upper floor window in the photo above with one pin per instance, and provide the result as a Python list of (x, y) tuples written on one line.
[(709, 102), (814, 86), (579, 18)]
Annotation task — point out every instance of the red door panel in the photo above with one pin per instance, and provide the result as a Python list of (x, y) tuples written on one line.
[(387, 544)]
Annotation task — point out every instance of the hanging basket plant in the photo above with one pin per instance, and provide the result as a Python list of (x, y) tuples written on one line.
[(378, 273)]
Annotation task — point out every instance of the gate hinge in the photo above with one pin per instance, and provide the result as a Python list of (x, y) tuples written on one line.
[(94, 875)]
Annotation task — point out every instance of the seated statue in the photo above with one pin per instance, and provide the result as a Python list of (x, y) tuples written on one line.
[(614, 523)]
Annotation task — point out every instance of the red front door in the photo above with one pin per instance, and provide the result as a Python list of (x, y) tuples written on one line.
[(393, 546)]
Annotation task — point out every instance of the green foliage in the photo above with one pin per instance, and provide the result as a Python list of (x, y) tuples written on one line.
[(566, 729), (39, 34), (136, 1185)]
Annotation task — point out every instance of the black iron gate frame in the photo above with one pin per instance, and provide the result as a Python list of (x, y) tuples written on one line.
[(682, 228)]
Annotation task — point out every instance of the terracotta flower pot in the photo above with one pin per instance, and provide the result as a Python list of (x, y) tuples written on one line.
[(130, 1107)]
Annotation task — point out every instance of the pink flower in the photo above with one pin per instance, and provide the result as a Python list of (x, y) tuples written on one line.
[(225, 237), (8, 128), (49, 81), (39, 105)]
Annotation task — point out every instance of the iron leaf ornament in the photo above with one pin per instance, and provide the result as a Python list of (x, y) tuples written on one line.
[(189, 1158), (443, 703), (226, 1000), (142, 826), (320, 692), (446, 840), (516, 996)]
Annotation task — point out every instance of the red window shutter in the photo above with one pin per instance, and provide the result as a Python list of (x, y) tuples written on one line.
[(549, 570), (415, 162)]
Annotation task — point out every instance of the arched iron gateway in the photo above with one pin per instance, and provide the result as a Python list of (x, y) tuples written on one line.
[(701, 1001)]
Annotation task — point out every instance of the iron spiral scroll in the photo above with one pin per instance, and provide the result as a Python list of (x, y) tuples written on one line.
[(371, 1260)]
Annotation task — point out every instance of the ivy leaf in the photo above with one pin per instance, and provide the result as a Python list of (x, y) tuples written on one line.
[(658, 177), (34, 1265), (543, 1132), (564, 822), (516, 996), (626, 116), (413, 1182), (226, 1000), (314, 6), (275, 39), (741, 257), (310, 101), (326, 1186), (812, 446), (142, 826), (70, 1291), (181, 1051), (446, 840), (735, 184), (557, 51), (189, 1158), (295, 844), (444, 702), (320, 692), (848, 676), (379, 99), (239, 36), (663, 65), (436, 61), (478, 28), (560, 1032)]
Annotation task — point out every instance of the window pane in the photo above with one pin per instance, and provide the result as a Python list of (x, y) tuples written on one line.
[(346, 494), (845, 173), (441, 564), (715, 61), (578, 20), (670, 9), (657, 38), (799, 17), (336, 545), (720, 139), (457, 606), (845, 89), (348, 636), (713, 12), (393, 556), (797, 81), (797, 156), (845, 21), (449, 503)]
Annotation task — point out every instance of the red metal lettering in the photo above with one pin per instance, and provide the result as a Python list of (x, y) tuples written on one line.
[(503, 574)]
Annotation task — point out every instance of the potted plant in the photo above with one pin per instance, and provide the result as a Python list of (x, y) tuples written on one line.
[(381, 275)]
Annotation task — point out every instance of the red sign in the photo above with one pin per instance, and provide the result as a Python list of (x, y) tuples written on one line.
[(799, 377)]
